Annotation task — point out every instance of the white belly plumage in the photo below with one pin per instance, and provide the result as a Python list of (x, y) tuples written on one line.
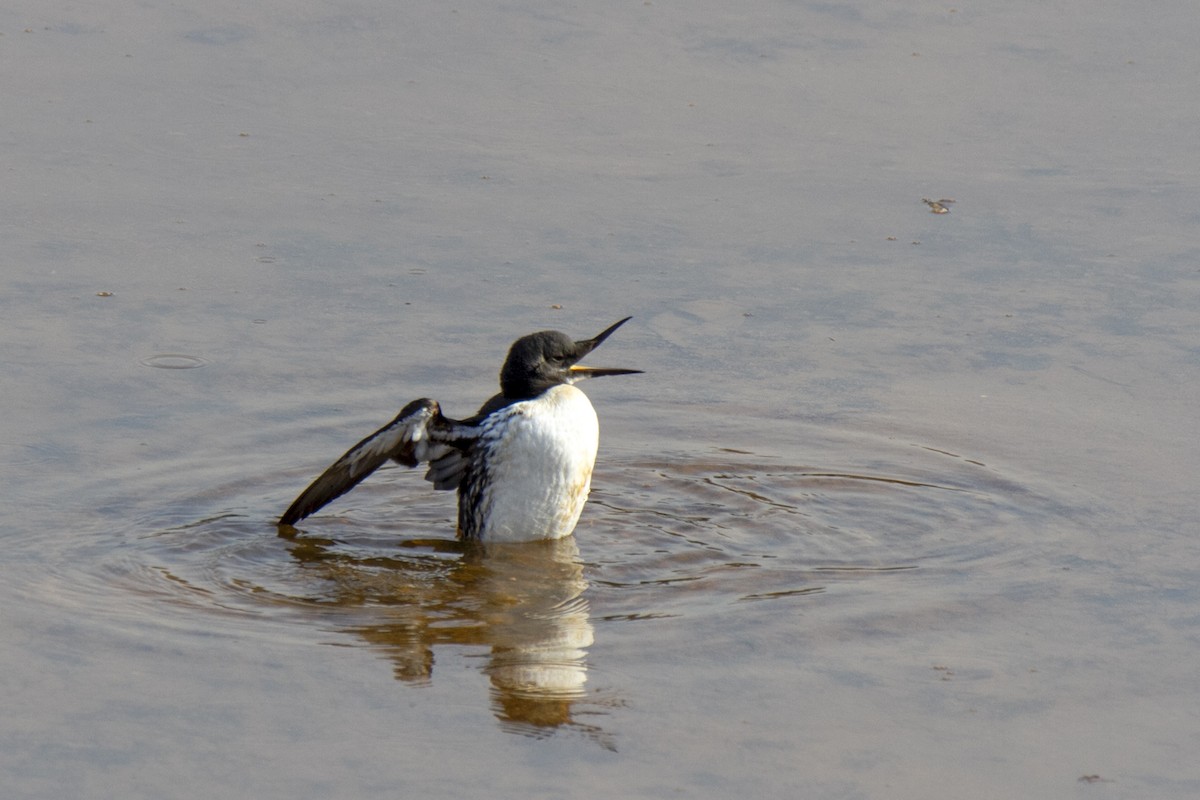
[(531, 469)]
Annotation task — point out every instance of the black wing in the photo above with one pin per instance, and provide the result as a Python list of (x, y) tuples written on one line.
[(418, 433)]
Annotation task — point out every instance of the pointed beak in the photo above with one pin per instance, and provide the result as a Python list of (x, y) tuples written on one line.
[(579, 372), (582, 348)]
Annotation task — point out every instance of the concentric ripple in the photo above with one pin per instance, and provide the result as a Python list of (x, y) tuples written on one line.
[(694, 534), (189, 542), (687, 535)]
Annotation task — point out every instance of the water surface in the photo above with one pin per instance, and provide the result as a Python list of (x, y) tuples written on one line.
[(903, 506)]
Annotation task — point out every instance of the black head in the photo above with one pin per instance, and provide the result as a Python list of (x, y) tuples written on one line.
[(548, 358)]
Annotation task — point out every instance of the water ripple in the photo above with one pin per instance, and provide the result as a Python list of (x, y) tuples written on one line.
[(689, 534), (189, 543)]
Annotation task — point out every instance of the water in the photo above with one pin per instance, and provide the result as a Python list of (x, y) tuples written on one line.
[(903, 506)]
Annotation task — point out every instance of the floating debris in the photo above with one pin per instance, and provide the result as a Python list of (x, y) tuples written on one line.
[(938, 206)]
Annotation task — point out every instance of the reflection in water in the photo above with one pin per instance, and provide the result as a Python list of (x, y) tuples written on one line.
[(524, 601)]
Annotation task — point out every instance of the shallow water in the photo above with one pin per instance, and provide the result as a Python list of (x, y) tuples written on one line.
[(903, 506)]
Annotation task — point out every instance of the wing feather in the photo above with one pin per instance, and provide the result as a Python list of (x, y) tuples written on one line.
[(446, 471), (419, 433)]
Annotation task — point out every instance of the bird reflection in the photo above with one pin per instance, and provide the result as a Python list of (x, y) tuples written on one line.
[(524, 601)]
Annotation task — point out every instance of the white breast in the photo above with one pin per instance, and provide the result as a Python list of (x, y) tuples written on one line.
[(532, 469)]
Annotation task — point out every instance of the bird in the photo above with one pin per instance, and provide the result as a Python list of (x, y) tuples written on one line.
[(522, 465)]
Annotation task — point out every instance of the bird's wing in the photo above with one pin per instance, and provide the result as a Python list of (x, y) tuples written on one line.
[(419, 433), (446, 470)]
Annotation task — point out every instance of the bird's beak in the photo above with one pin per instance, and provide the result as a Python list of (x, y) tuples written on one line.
[(582, 348), (579, 373)]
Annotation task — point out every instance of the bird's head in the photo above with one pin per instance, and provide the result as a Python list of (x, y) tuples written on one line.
[(548, 358)]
